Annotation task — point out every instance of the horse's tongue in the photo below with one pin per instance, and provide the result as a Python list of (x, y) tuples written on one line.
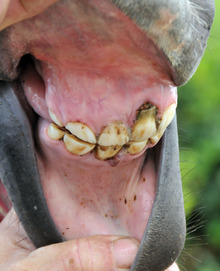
[(165, 233)]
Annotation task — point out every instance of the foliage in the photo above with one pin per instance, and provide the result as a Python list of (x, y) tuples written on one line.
[(199, 132)]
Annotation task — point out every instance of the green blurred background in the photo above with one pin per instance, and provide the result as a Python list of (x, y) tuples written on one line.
[(199, 136)]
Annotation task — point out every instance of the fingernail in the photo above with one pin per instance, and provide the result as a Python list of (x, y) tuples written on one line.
[(125, 251)]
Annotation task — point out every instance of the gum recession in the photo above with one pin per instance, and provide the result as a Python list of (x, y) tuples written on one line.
[(95, 100)]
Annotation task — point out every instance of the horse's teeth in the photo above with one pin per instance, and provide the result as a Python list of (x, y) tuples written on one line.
[(157, 137), (103, 152), (82, 140), (167, 117), (136, 147), (76, 146), (114, 134), (55, 118), (81, 131), (145, 125), (54, 132)]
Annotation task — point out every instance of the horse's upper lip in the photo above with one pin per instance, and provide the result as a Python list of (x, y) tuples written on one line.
[(179, 28)]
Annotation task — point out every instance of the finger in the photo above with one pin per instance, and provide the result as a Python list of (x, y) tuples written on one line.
[(93, 253), (13, 11), (14, 243), (4, 7), (11, 228)]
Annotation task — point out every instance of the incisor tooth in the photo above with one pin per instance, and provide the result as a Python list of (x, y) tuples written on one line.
[(81, 131), (167, 117), (145, 125), (103, 152), (54, 132), (157, 137), (76, 146), (136, 147), (55, 118), (114, 134)]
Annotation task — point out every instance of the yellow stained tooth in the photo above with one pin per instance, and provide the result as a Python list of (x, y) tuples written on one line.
[(76, 146), (114, 134), (103, 152), (136, 147), (55, 118), (81, 131), (54, 132), (157, 137), (145, 125), (167, 117)]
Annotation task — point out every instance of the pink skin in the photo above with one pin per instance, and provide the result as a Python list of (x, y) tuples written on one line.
[(94, 74), (105, 199), (97, 68)]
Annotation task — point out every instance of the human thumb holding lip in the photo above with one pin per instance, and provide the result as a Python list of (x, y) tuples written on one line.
[(97, 253), (101, 252)]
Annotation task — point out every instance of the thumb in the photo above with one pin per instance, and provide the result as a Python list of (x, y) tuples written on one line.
[(93, 253), (13, 11), (101, 252)]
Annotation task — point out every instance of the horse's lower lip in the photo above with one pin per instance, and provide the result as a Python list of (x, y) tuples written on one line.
[(19, 169)]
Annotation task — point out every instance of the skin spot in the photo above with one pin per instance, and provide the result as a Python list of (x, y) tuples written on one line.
[(106, 215), (71, 261), (125, 201), (144, 179), (135, 197), (67, 228)]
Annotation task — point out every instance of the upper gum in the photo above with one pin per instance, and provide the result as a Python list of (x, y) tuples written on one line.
[(129, 129), (96, 109)]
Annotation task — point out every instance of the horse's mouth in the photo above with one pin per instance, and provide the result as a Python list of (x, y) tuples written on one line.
[(104, 95)]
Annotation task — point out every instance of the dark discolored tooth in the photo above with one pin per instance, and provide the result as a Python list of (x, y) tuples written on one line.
[(145, 125), (18, 168), (136, 147), (106, 152), (114, 134), (164, 235)]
